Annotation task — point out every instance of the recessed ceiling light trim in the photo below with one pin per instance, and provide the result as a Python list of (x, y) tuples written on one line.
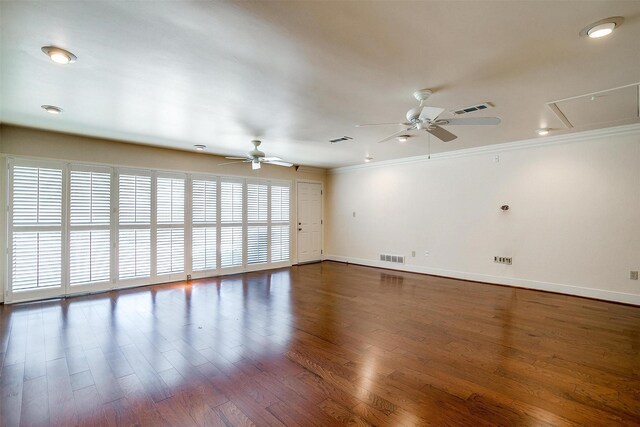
[(52, 109), (602, 27), (59, 55), (200, 147), (543, 131)]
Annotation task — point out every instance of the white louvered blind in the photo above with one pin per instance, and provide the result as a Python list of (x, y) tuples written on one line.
[(134, 226), (170, 219), (280, 225), (231, 213), (257, 223), (90, 222), (36, 229), (204, 219)]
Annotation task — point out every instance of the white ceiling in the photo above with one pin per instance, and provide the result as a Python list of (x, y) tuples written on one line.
[(297, 74)]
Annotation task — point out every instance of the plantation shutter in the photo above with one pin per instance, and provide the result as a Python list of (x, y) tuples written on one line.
[(231, 218), (204, 220), (257, 223), (170, 220), (36, 227), (90, 222), (134, 223), (280, 225)]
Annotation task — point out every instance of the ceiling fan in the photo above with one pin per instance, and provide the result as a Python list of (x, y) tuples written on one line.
[(426, 118), (257, 157)]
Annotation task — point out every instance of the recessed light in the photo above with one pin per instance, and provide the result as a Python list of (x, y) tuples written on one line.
[(59, 55), (368, 159), (52, 109), (403, 138), (543, 131), (602, 28), (200, 147)]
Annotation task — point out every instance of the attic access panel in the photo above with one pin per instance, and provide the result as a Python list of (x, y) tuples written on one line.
[(599, 108)]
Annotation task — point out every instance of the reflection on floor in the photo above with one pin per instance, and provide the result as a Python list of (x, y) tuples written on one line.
[(320, 344)]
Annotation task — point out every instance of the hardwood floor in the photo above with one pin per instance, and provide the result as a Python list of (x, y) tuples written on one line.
[(320, 345)]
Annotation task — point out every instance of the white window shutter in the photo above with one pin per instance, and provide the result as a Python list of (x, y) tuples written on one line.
[(90, 221), (134, 221), (36, 229), (231, 217), (204, 222), (257, 222), (230, 246), (170, 219), (280, 225)]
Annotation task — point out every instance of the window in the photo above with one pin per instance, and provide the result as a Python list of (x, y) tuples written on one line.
[(280, 225), (170, 220), (90, 226), (231, 221), (257, 223), (134, 223), (204, 221), (36, 227), (73, 228)]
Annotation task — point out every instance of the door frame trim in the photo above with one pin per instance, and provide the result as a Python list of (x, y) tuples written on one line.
[(311, 181)]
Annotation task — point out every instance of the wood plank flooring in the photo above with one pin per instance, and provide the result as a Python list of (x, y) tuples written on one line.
[(320, 345)]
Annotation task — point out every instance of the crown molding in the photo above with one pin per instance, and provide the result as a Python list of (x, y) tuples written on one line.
[(500, 148)]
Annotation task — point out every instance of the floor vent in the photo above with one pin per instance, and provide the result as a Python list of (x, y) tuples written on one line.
[(398, 259), (472, 108)]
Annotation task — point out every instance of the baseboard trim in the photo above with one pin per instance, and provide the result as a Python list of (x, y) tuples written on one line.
[(599, 294)]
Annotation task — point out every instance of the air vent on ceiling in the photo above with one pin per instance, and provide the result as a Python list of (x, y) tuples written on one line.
[(472, 108), (398, 259), (341, 139)]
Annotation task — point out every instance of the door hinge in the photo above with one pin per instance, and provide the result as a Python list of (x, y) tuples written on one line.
[(321, 193), (321, 252), (321, 222)]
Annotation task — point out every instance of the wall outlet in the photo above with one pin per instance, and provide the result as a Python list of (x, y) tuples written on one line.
[(354, 214), (633, 275), (502, 260), (413, 254), (188, 277)]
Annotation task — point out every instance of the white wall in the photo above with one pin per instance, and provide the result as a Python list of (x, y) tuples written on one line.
[(32, 143), (573, 224)]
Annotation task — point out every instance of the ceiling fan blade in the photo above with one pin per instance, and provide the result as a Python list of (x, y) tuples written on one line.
[(430, 113), (231, 163), (278, 163), (270, 159), (383, 124), (442, 134), (471, 121), (402, 132), (236, 158)]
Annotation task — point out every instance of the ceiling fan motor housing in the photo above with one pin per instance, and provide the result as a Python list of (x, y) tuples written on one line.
[(255, 152)]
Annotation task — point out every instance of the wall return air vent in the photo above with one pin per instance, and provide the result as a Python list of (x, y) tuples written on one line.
[(398, 259)]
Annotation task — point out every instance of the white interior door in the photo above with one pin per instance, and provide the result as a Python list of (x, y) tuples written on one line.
[(309, 222)]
